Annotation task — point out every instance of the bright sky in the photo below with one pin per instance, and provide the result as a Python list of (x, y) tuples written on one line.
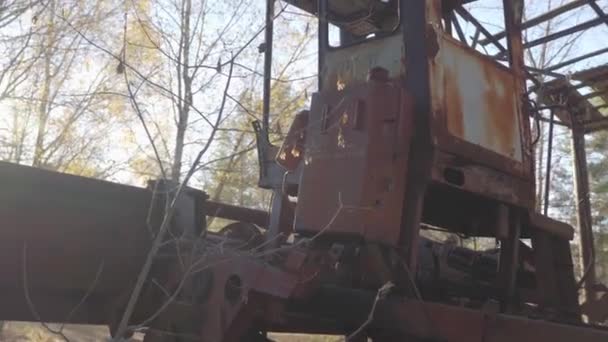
[(487, 11)]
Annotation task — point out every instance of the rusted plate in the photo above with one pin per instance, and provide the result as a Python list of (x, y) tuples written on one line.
[(489, 182), (478, 99), (355, 163), (402, 319), (478, 119), (450, 323)]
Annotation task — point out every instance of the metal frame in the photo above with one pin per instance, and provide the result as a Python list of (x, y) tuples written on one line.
[(575, 111), (578, 113), (414, 21), (291, 293)]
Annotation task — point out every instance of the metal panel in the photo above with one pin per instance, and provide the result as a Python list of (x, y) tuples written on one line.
[(355, 161), (70, 224), (350, 65), (59, 231), (478, 98)]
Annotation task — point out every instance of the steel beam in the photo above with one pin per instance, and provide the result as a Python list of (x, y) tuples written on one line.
[(591, 126), (458, 28), (268, 64), (583, 206), (545, 72), (548, 170), (598, 10), (555, 122), (576, 59), (560, 34), (470, 18), (236, 213), (594, 94), (539, 19), (418, 320)]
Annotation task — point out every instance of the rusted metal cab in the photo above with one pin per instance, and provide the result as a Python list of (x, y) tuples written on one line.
[(460, 116), (412, 127)]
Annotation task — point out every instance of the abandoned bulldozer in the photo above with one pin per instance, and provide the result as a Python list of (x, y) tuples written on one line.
[(411, 130)]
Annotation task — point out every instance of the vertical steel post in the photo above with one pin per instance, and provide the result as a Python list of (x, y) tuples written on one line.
[(509, 259), (277, 206), (447, 22), (513, 13), (418, 37), (583, 208), (323, 40), (509, 247), (268, 40), (549, 160)]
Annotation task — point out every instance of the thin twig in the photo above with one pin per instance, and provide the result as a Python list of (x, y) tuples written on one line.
[(135, 105), (143, 275), (86, 295), (32, 307)]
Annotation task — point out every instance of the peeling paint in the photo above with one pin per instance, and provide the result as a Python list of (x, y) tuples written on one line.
[(478, 98), (352, 64)]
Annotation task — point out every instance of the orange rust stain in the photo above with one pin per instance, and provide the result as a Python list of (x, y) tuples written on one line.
[(292, 150), (453, 105), (500, 107)]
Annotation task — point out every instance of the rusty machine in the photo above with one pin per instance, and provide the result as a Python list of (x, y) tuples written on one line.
[(410, 130)]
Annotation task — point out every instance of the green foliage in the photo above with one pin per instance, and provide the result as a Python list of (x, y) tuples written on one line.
[(562, 201), (563, 196), (598, 176), (142, 38), (602, 187)]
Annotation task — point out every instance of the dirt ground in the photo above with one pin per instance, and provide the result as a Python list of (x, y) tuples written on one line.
[(34, 332)]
